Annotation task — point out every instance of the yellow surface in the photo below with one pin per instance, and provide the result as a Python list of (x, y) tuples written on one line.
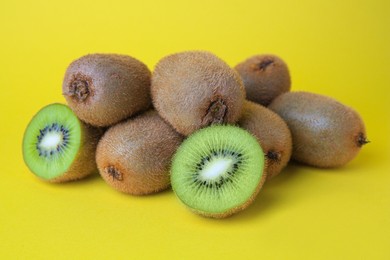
[(336, 48)]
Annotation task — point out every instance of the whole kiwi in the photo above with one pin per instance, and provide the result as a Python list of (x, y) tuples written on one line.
[(265, 77), (271, 132), (103, 89), (195, 89), (325, 133), (134, 156)]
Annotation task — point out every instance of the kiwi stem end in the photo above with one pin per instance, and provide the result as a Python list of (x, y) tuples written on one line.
[(114, 173), (79, 89), (216, 112), (361, 140), (274, 156)]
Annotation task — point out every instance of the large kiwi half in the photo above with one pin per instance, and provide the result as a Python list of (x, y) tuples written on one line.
[(194, 89), (218, 170), (58, 147), (325, 133), (134, 156), (265, 77), (103, 89), (272, 133)]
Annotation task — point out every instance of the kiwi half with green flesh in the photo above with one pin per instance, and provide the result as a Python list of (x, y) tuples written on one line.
[(218, 170), (265, 77), (271, 132), (58, 147), (325, 133), (103, 89), (195, 89), (134, 156)]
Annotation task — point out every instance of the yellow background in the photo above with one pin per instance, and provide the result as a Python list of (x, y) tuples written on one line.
[(336, 48)]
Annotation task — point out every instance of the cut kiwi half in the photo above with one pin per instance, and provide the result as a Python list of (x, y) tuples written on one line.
[(218, 170), (58, 147)]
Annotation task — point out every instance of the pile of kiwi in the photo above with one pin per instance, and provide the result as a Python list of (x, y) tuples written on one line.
[(213, 133)]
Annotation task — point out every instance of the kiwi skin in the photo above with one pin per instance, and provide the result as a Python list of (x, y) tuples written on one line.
[(103, 89), (271, 132), (195, 89), (325, 133), (134, 156), (265, 77), (84, 163)]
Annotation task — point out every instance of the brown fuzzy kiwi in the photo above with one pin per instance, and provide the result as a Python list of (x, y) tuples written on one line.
[(325, 133), (103, 89), (195, 89), (271, 132), (134, 156), (265, 77)]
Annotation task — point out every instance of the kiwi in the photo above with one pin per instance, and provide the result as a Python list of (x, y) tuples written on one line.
[(58, 147), (218, 171), (134, 156), (271, 132), (103, 89), (325, 133), (195, 89), (265, 77)]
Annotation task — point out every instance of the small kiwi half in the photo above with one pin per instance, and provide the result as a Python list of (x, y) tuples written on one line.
[(134, 156), (58, 147), (265, 77), (103, 89), (325, 133), (272, 133), (218, 171), (195, 89)]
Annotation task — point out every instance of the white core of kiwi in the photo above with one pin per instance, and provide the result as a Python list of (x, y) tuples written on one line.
[(216, 168), (51, 140)]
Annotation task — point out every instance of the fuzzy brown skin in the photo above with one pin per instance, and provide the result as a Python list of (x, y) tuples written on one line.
[(84, 164), (265, 77), (271, 132), (325, 133), (134, 156), (192, 90), (103, 89)]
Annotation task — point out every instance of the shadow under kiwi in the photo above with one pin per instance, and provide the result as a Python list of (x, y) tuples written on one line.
[(92, 178), (267, 200)]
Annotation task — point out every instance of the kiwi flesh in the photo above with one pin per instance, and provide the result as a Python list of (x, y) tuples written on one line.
[(325, 133), (271, 132), (134, 156), (218, 171), (58, 147), (103, 89), (195, 89), (265, 77)]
